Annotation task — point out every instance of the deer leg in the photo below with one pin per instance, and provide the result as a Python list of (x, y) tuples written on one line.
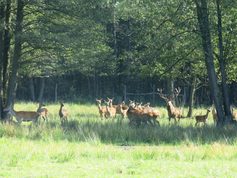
[(196, 124), (175, 120)]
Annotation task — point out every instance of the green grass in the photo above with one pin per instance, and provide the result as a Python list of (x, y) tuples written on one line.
[(90, 147)]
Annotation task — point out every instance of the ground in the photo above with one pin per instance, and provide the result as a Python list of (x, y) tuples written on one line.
[(90, 147)]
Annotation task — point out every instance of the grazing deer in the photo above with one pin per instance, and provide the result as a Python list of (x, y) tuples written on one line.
[(63, 113), (202, 118), (173, 112), (43, 112), (23, 115), (102, 109)]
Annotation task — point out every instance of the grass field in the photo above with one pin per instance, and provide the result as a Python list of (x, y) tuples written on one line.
[(90, 147)]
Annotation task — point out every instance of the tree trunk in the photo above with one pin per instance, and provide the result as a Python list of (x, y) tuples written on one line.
[(1, 55), (41, 92), (17, 53), (89, 86), (7, 40), (56, 93), (202, 15), (32, 89), (226, 101), (191, 98)]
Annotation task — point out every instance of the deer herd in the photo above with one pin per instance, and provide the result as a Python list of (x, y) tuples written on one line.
[(137, 113)]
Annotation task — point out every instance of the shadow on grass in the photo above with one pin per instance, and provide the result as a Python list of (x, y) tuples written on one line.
[(120, 133)]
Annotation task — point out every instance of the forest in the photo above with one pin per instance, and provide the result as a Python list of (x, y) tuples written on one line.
[(79, 50), (118, 88)]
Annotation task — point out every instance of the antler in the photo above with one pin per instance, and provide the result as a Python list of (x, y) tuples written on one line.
[(177, 91), (160, 92)]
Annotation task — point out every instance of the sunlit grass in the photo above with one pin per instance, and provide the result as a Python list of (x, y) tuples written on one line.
[(90, 147)]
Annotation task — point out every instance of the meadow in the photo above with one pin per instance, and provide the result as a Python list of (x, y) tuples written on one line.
[(90, 147)]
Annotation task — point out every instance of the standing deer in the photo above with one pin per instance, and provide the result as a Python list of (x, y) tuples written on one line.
[(122, 109), (102, 109), (214, 114), (110, 108), (173, 112), (23, 115), (202, 118), (63, 113), (43, 112)]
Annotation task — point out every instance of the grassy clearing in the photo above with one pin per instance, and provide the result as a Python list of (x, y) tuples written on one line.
[(89, 147)]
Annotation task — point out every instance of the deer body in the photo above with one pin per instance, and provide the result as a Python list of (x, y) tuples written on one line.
[(202, 118), (102, 109), (214, 115), (23, 115), (111, 110), (173, 112), (43, 112), (139, 115), (63, 113)]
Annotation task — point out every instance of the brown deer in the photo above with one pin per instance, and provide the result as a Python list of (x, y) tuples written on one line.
[(43, 112), (122, 109), (102, 109), (173, 112), (63, 113), (202, 118), (214, 114), (110, 108), (138, 115), (233, 113), (23, 115)]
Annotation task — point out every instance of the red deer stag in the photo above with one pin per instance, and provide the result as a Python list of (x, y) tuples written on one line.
[(173, 112)]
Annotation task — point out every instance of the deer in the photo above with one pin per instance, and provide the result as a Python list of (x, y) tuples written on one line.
[(43, 112), (139, 114), (23, 115), (63, 113), (122, 109), (214, 114), (102, 109), (173, 112), (110, 108), (202, 118)]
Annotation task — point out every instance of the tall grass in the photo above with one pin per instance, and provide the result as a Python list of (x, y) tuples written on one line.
[(90, 147), (85, 125)]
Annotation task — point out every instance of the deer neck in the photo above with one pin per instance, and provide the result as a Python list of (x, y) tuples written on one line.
[(207, 114), (99, 105), (12, 112), (170, 105)]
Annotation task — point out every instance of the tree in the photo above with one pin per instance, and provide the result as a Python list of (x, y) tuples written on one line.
[(203, 21)]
